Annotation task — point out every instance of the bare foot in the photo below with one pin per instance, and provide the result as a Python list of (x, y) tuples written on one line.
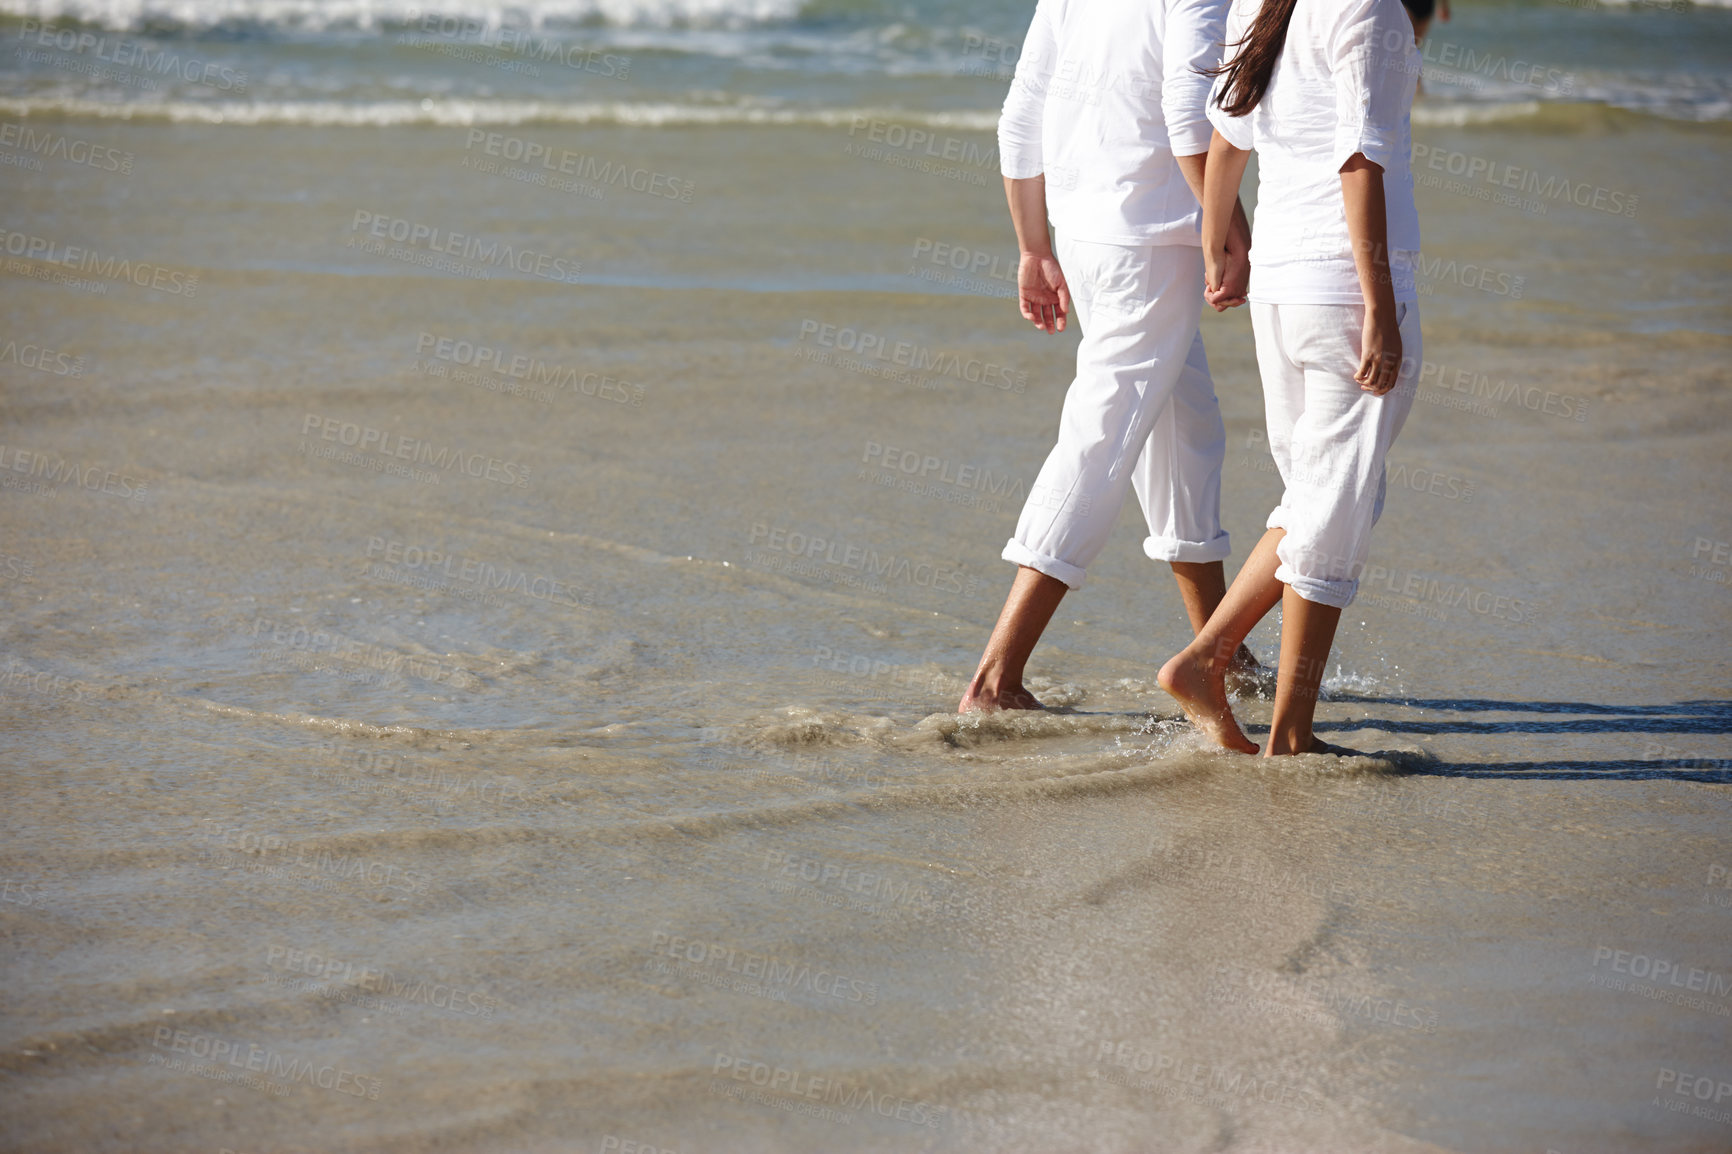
[(980, 699), (1315, 745), (1200, 687)]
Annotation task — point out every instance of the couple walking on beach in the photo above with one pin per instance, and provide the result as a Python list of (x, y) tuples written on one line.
[(1129, 126)]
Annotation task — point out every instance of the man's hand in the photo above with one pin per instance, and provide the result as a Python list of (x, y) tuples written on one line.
[(1040, 287), (1041, 290), (1214, 177), (1229, 279)]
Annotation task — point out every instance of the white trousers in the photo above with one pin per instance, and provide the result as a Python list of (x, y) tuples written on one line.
[(1140, 414), (1329, 438)]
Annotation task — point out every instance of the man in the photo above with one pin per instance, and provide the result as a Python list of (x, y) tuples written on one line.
[(1104, 131)]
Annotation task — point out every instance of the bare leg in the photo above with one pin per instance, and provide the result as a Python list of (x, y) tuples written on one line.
[(997, 684), (1196, 676), (1202, 585), (1307, 632)]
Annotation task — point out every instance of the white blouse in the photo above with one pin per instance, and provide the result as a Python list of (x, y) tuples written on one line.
[(1344, 83), (1106, 94)]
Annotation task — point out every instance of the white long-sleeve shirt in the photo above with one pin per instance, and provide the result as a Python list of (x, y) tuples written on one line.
[(1106, 93), (1344, 84)]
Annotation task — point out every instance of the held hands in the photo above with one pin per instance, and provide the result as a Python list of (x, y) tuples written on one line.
[(1380, 351), (1226, 277), (1041, 290), (1227, 273)]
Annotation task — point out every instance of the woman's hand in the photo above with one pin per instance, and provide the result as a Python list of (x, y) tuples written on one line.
[(1225, 285), (1214, 177), (1379, 351), (1214, 271), (1040, 288)]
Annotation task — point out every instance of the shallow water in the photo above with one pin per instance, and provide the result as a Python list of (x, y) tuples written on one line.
[(563, 757)]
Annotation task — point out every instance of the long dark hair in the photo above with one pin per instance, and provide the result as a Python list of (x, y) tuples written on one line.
[(1253, 65)]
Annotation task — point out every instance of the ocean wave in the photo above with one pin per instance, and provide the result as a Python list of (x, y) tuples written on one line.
[(1442, 114), (971, 730), (1675, 96), (458, 112), (464, 113), (1570, 115), (1672, 96), (322, 15)]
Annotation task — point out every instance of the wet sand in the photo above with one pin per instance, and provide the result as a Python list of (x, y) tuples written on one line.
[(406, 754)]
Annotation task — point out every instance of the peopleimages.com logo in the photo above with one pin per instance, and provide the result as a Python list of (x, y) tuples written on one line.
[(219, 1052), (871, 347), (84, 259), (58, 146), (435, 243), (423, 452), (133, 54), (873, 567)]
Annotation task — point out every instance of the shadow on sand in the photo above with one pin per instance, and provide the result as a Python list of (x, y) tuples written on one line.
[(1661, 757)]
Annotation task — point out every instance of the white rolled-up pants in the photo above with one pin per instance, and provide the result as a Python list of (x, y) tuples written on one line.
[(1140, 414), (1329, 438)]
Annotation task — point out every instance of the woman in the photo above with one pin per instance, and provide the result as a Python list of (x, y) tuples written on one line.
[(1322, 91)]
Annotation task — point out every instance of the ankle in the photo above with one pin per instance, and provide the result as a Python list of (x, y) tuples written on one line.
[(1215, 653), (992, 680), (1283, 742)]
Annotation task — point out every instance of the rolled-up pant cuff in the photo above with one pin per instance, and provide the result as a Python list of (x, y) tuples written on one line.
[(1317, 590), (1021, 554), (1173, 549)]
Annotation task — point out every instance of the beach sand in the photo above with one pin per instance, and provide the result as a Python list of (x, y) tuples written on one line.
[(553, 748)]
